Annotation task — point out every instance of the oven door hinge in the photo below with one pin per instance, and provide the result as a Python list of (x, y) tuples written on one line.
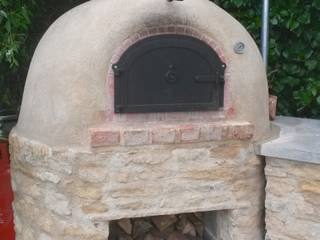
[(117, 70)]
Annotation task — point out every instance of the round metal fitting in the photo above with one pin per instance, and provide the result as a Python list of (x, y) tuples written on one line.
[(239, 48), (171, 77)]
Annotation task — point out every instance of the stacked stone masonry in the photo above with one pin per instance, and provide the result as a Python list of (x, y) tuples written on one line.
[(73, 193), (292, 200)]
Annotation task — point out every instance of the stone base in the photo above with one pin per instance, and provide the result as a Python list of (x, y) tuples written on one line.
[(73, 193), (292, 200)]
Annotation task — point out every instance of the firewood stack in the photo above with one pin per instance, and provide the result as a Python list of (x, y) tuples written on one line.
[(170, 227)]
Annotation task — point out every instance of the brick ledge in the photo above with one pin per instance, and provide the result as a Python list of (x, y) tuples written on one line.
[(175, 133)]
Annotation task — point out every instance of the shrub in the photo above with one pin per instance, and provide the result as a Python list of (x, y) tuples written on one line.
[(22, 23), (15, 21), (294, 61)]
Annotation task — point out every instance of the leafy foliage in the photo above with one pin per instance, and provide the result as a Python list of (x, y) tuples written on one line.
[(15, 20), (294, 65), (22, 24)]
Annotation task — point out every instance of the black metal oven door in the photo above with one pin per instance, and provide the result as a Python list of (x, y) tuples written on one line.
[(169, 73)]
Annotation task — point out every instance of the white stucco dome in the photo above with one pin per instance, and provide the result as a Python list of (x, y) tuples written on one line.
[(66, 86)]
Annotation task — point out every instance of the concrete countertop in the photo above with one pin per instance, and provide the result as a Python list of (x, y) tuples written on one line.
[(299, 140)]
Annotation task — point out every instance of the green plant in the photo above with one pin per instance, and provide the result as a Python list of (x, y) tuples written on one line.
[(295, 55), (22, 23), (15, 22), (294, 61)]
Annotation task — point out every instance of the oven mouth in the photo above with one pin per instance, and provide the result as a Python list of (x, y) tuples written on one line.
[(169, 73)]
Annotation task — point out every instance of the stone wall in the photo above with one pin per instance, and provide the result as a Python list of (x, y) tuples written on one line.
[(73, 193), (292, 200), (293, 180)]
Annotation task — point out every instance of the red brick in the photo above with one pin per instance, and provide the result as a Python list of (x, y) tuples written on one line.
[(238, 132), (247, 132), (180, 30), (190, 133), (101, 138), (153, 31), (171, 29), (143, 34)]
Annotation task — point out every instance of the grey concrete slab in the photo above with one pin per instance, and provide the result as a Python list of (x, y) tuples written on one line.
[(299, 140)]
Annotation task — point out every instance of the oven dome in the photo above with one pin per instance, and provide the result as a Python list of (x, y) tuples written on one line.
[(66, 90)]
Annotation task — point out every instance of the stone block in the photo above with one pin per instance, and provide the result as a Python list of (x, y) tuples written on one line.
[(58, 203), (95, 207), (237, 132), (27, 186), (50, 177), (229, 151), (61, 162), (28, 233), (87, 192), (44, 236), (311, 186), (92, 174)]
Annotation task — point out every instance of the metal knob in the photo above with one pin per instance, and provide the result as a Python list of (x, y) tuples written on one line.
[(171, 75), (239, 47)]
